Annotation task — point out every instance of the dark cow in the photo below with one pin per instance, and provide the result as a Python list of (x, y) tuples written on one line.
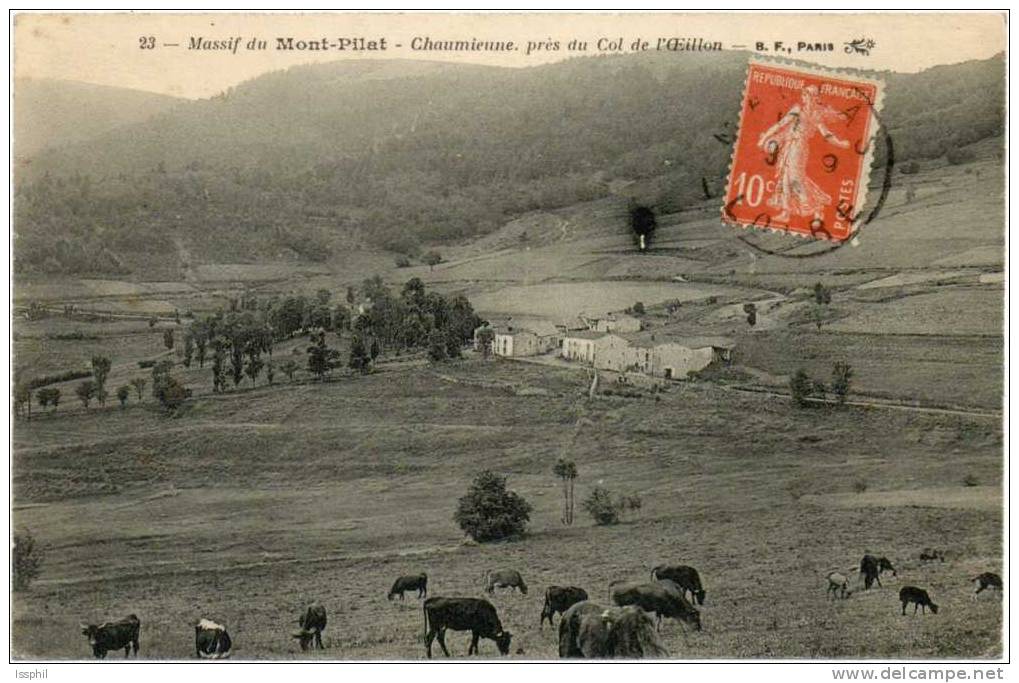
[(558, 599), (463, 614), (871, 568), (664, 598), (988, 580), (683, 576), (312, 623), (919, 598), (113, 635), (504, 578), (211, 640), (417, 582), (590, 631)]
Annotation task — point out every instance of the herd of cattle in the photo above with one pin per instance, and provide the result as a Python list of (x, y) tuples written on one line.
[(624, 630)]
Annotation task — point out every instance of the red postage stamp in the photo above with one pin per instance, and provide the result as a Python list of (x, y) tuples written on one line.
[(802, 158)]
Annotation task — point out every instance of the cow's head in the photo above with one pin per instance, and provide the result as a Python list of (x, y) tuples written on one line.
[(502, 641), (699, 596), (304, 637), (91, 631), (692, 617)]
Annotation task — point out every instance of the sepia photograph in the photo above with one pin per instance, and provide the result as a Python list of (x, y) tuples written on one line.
[(508, 337)]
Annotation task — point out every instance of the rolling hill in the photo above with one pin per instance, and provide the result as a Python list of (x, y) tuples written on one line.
[(302, 163)]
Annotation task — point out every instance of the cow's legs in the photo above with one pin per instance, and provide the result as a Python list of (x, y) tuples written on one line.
[(916, 605), (442, 641), (903, 608), (429, 637), (127, 650), (878, 579), (318, 640)]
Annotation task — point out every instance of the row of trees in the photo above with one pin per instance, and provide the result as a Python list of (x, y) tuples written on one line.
[(803, 388)]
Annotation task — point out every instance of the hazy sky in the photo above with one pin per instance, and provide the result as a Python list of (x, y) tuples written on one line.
[(106, 48)]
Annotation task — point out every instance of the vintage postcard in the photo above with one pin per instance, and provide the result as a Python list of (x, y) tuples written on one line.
[(508, 337)]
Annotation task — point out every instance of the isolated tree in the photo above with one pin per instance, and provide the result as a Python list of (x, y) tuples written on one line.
[(566, 470), (289, 367), (139, 386), (321, 358), (751, 310), (23, 400), (638, 308), (822, 294), (48, 396), (432, 259), (86, 391), (172, 394), (488, 512), (359, 360), (100, 370), (486, 337), (168, 339), (600, 506), (841, 379), (26, 561), (189, 349), (818, 315), (123, 392), (801, 387)]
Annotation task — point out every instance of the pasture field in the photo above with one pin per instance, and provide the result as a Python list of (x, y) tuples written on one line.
[(250, 504)]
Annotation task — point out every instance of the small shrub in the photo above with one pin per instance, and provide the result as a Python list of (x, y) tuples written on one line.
[(801, 387), (859, 486), (909, 168), (639, 309), (600, 506), (145, 364), (841, 380), (960, 156), (25, 561), (488, 512), (402, 262), (971, 480)]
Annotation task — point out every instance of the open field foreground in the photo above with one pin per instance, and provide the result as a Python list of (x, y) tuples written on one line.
[(250, 504)]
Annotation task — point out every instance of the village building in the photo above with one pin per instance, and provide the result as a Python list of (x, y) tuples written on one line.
[(615, 322), (613, 352), (579, 345), (677, 357), (514, 341)]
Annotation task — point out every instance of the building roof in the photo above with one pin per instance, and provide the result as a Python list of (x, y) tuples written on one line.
[(511, 330), (651, 340), (584, 334)]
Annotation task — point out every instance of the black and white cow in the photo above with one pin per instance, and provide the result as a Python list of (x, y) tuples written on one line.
[(113, 635), (211, 640)]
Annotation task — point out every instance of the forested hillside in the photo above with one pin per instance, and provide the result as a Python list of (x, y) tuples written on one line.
[(299, 163)]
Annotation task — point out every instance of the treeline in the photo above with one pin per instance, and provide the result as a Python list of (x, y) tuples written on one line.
[(396, 156)]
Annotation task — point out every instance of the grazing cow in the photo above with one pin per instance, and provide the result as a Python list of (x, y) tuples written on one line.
[(931, 554), (918, 597), (558, 599), (837, 582), (504, 578), (871, 568), (416, 582), (463, 614), (664, 598), (683, 576), (211, 640), (113, 635), (590, 631), (988, 580), (312, 623)]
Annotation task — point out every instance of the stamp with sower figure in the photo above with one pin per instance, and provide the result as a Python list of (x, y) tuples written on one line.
[(802, 157)]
